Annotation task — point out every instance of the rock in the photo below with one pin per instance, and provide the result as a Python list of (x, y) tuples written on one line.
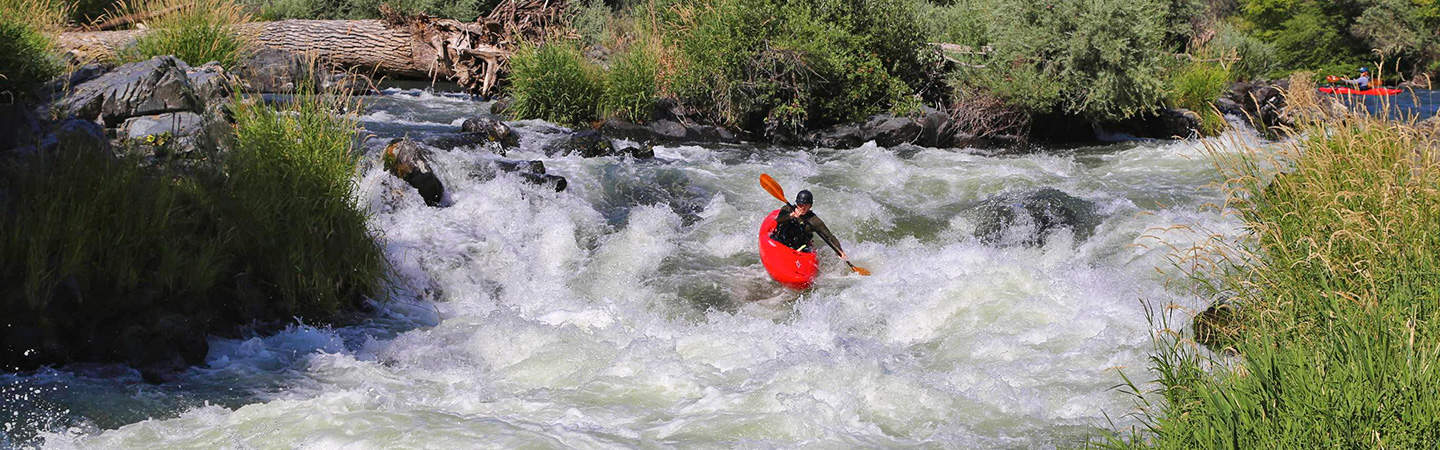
[(210, 83), (1215, 327), (669, 130), (1027, 219), (77, 135), (155, 86), (493, 130), (21, 132), (623, 129), (554, 181), (1165, 123), (274, 71), (169, 135), (889, 131), (937, 129), (643, 152), (501, 106), (1229, 107), (515, 165), (838, 136), (407, 160), (1262, 103), (587, 143)]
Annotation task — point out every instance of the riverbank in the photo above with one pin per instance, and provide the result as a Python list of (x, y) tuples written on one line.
[(1324, 331)]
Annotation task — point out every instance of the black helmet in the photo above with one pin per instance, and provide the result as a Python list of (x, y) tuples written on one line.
[(804, 198)]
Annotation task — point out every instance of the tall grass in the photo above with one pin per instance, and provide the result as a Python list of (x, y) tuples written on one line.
[(291, 178), (555, 82), (27, 57), (630, 87), (1196, 84), (89, 243), (196, 31), (1336, 336)]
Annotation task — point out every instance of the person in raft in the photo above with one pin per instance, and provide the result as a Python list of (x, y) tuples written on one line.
[(1361, 82), (796, 226)]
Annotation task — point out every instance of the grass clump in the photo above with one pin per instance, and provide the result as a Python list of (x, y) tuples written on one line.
[(91, 246), (294, 205), (555, 82), (1196, 84), (196, 31), (1337, 331), (27, 58), (630, 90)]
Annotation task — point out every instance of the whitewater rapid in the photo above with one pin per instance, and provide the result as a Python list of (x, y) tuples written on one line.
[(631, 309)]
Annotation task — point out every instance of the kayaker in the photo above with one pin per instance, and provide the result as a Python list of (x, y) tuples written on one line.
[(796, 226), (1361, 82)]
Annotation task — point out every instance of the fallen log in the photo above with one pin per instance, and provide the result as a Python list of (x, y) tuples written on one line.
[(471, 54)]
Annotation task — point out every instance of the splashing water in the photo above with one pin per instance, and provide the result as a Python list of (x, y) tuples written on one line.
[(632, 310)]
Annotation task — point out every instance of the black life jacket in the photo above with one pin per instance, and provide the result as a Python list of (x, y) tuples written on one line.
[(796, 233)]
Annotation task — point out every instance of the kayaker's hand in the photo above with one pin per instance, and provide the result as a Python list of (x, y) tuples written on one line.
[(844, 257), (795, 213)]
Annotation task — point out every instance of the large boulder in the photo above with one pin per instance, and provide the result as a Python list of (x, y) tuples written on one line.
[(408, 160), (155, 86), (1028, 218), (1165, 123), (76, 135), (532, 171), (274, 70), (1262, 103), (210, 83), (587, 144), (890, 131)]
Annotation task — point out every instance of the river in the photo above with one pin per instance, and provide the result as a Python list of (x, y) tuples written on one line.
[(631, 310)]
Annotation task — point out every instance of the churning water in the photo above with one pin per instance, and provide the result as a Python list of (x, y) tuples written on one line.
[(631, 310)]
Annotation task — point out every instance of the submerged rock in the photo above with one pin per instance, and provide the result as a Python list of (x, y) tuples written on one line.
[(587, 144), (532, 171), (492, 130), (407, 160), (1215, 327), (1028, 218)]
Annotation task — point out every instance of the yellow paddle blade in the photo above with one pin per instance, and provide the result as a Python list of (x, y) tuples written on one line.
[(773, 187), (860, 270)]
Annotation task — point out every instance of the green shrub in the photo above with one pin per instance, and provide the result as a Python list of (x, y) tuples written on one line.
[(1249, 58), (197, 32), (630, 85), (555, 82), (1194, 86), (785, 66), (962, 22), (1104, 56), (26, 50)]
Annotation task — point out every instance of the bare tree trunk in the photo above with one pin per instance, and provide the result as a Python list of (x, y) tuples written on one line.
[(420, 47)]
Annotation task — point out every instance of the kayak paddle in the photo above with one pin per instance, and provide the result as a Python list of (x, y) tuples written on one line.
[(773, 187)]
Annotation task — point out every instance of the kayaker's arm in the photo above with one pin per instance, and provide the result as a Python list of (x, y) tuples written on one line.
[(824, 232), (784, 215)]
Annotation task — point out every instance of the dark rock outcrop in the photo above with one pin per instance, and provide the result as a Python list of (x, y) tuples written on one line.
[(77, 135), (1262, 103), (156, 86), (407, 160), (532, 171), (1165, 123), (586, 143), (1026, 219), (493, 130)]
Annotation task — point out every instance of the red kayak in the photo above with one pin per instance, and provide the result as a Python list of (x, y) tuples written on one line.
[(793, 268), (1371, 91)]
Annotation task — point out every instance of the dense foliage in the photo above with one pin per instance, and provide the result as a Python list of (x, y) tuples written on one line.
[(555, 82)]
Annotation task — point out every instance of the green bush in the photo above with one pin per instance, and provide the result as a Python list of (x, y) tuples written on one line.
[(196, 32), (1194, 86), (26, 50), (962, 22), (785, 66), (555, 82), (1250, 58), (1103, 56), (630, 85)]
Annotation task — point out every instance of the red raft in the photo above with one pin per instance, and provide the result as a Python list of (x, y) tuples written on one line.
[(1371, 91), (792, 268)]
